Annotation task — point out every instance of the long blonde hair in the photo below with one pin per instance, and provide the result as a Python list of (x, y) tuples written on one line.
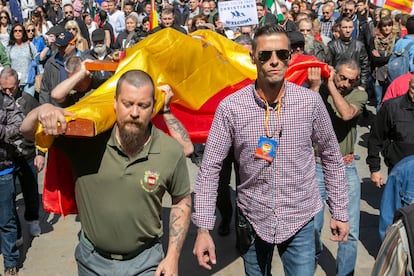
[(73, 24)]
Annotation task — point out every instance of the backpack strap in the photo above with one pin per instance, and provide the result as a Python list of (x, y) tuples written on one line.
[(30, 49), (406, 214)]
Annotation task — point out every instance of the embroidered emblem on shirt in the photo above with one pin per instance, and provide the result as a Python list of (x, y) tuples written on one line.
[(150, 182)]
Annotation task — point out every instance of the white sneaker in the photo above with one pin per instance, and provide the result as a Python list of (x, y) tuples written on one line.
[(34, 228)]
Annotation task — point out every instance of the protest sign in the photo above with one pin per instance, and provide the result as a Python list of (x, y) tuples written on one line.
[(237, 13)]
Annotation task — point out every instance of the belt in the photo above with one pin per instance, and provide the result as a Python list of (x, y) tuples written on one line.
[(348, 159), (123, 257)]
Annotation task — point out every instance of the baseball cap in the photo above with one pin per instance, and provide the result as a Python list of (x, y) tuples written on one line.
[(98, 35), (64, 38), (55, 30), (296, 38)]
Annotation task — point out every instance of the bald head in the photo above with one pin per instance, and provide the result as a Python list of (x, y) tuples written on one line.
[(135, 78)]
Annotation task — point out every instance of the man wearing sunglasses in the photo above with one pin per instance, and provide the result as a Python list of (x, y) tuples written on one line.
[(68, 12), (344, 103), (272, 126), (327, 20)]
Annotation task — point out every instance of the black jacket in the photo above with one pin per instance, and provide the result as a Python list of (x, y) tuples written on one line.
[(363, 30), (174, 26), (180, 17), (392, 133), (26, 103), (355, 49), (10, 120)]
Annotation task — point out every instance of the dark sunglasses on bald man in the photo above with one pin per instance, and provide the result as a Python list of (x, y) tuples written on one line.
[(266, 55)]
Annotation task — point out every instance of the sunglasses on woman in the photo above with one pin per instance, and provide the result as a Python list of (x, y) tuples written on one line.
[(30, 30), (282, 54)]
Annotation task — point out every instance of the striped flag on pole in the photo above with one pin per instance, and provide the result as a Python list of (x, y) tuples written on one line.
[(274, 7), (404, 6), (153, 15)]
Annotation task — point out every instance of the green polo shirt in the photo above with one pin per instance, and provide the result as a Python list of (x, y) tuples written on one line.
[(344, 130), (119, 200)]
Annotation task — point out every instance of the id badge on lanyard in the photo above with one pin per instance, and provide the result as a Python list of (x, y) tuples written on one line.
[(266, 149), (267, 145)]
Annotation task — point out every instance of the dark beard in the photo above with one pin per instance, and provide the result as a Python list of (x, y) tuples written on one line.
[(131, 141)]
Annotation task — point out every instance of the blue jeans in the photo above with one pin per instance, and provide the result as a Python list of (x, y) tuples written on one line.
[(297, 254), (28, 88), (91, 263), (378, 89), (347, 251), (26, 174), (8, 221)]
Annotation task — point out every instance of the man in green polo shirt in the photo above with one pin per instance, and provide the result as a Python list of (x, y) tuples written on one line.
[(122, 175), (344, 103)]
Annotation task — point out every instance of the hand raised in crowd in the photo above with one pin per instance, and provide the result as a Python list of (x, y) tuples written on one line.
[(168, 94), (314, 78), (332, 73)]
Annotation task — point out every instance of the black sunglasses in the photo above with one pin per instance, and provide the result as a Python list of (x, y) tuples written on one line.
[(266, 55)]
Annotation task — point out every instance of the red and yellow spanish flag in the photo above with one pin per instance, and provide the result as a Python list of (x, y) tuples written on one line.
[(153, 15), (404, 6), (201, 69)]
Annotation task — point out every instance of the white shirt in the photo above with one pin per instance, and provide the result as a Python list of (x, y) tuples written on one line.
[(117, 20)]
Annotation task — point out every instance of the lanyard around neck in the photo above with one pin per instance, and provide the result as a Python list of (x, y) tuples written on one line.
[(277, 113)]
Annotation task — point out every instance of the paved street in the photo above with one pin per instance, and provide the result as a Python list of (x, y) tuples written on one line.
[(52, 252)]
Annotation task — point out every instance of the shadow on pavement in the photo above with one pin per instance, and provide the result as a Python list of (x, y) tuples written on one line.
[(370, 193), (368, 234), (327, 261)]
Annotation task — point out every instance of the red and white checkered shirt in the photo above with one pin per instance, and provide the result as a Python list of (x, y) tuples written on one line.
[(280, 197)]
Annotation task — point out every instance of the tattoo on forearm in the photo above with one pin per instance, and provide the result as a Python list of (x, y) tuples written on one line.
[(179, 222), (177, 127)]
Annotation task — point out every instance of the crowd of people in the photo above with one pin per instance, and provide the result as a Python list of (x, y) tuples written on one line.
[(292, 146)]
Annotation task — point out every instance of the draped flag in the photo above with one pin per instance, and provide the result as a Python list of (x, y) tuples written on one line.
[(201, 69), (404, 6)]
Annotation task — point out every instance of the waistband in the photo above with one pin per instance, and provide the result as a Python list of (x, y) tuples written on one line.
[(7, 170), (122, 257), (348, 159)]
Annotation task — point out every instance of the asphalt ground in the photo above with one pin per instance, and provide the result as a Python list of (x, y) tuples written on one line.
[(52, 253)]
